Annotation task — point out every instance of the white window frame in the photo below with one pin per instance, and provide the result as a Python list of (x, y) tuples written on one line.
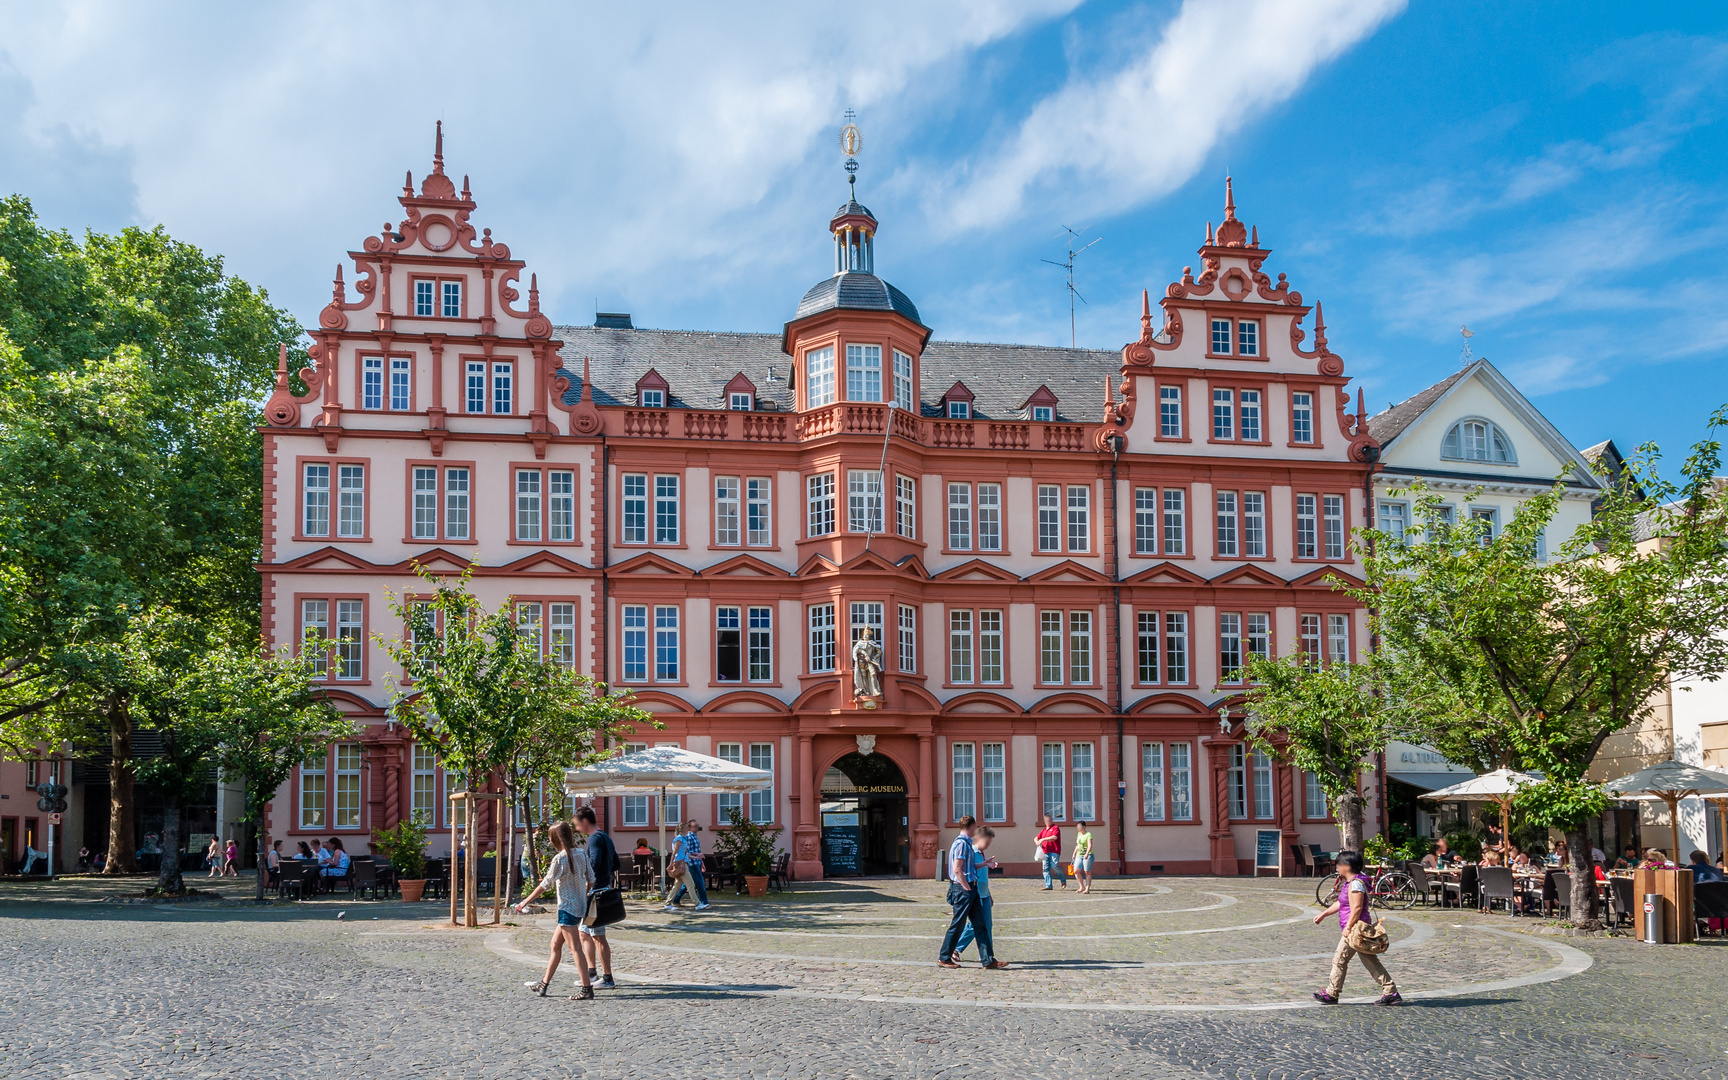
[(959, 516), (863, 372), (864, 497), (1053, 779), (905, 506), (633, 502), (819, 377), (908, 638), (1302, 417), (727, 511), (822, 638), (903, 396), (820, 517), (963, 771)]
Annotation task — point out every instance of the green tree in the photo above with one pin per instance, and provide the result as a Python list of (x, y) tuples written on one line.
[(1558, 654), (267, 717), (1327, 720), (479, 689), (132, 374)]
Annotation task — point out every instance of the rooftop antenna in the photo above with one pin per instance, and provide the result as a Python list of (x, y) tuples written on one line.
[(1464, 357), (1073, 293), (851, 142)]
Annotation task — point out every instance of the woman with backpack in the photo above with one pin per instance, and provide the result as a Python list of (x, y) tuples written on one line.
[(572, 876), (1358, 934)]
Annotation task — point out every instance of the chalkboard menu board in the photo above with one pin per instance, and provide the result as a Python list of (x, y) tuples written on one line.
[(841, 841), (1267, 855)]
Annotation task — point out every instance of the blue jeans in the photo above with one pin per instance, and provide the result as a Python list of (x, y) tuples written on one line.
[(701, 886), (967, 909), (967, 935), (1053, 865)]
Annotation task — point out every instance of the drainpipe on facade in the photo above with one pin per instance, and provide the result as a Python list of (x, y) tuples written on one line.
[(1372, 455), (1116, 442), (605, 546)]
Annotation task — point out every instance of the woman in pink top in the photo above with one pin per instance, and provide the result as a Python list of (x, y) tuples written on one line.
[(1050, 852), (1352, 907), (231, 865)]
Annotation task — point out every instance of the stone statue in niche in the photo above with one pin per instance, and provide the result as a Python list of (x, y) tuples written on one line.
[(867, 669)]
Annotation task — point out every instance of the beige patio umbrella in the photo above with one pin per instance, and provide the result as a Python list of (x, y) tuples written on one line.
[(1668, 783), (1497, 787)]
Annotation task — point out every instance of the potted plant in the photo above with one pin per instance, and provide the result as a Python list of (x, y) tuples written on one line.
[(752, 848), (404, 844)]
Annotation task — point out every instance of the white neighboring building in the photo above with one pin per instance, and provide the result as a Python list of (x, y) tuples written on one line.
[(1472, 433)]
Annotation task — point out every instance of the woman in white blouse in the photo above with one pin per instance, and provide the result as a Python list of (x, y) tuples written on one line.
[(571, 875)]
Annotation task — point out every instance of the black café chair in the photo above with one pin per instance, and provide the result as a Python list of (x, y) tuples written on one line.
[(1556, 892), (1710, 901), (1323, 863), (780, 872), (1426, 887), (1304, 861), (299, 877), (1620, 900), (363, 878), (1497, 883), (1469, 883)]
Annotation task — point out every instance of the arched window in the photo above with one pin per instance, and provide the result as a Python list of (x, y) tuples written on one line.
[(1478, 440)]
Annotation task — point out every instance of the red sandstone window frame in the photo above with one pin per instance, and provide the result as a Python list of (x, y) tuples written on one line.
[(745, 682), (1236, 320), (946, 772), (329, 677), (1290, 392), (441, 465), (1004, 608), (743, 479), (330, 828), (1182, 404), (1163, 613), (1319, 495), (438, 281), (1094, 635), (1300, 779), (335, 463), (1270, 611), (1133, 538), (1236, 387), (360, 358), (648, 543), (619, 603), (1241, 519), (545, 600), (515, 363), (1094, 518), (1249, 816), (1194, 785), (546, 469)]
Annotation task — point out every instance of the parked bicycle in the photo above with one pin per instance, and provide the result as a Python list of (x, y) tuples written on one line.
[(1387, 888)]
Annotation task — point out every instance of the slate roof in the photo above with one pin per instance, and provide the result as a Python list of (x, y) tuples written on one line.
[(1388, 425), (856, 291), (697, 365)]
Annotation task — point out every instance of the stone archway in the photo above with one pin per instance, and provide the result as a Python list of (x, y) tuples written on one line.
[(864, 816)]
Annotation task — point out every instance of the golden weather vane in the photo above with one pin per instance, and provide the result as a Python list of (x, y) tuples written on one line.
[(851, 142)]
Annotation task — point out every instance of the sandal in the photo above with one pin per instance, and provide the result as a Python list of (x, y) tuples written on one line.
[(584, 994), (538, 987)]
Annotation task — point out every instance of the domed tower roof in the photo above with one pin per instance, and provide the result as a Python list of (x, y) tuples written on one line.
[(854, 285)]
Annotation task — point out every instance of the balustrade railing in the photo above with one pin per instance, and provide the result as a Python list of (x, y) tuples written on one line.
[(853, 418)]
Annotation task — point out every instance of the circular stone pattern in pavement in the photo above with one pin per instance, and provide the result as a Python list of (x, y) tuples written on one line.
[(1196, 944)]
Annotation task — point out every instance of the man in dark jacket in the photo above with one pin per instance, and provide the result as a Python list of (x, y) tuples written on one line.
[(603, 858)]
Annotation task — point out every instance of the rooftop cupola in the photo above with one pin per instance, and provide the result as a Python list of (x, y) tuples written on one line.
[(854, 229)]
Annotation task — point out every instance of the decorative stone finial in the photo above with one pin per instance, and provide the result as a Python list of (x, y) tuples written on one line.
[(438, 151)]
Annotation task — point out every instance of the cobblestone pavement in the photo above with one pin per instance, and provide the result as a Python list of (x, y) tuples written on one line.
[(1196, 977)]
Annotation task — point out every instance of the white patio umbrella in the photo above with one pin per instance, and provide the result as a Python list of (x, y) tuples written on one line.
[(1668, 783), (662, 771), (1497, 787)]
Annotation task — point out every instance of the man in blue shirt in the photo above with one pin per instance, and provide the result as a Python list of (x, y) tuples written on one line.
[(982, 864), (963, 898), (603, 858), (689, 849)]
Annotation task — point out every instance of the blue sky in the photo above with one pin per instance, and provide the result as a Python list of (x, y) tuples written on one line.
[(1547, 173)]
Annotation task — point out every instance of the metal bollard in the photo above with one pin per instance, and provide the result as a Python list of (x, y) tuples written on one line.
[(1653, 918)]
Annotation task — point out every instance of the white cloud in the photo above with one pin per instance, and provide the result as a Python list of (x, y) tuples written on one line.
[(1113, 141)]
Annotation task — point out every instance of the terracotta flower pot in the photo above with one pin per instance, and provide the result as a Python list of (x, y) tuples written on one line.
[(413, 890), (758, 886)]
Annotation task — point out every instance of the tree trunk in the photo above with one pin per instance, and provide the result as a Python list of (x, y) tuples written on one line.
[(1583, 900), (255, 813), (122, 840), (168, 879), (1350, 824)]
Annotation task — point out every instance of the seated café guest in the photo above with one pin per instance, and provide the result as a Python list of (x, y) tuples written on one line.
[(1490, 857), (320, 852), (1701, 868), (273, 857), (1436, 859), (1654, 859), (339, 862), (1496, 839), (1629, 860), (1520, 861), (1561, 856), (304, 853), (1601, 874), (642, 847)]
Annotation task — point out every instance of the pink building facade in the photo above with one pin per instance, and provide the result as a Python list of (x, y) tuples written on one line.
[(1064, 553)]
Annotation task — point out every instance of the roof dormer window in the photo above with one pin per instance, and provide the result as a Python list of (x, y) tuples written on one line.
[(959, 410), (740, 402), (1043, 413), (652, 399), (652, 391)]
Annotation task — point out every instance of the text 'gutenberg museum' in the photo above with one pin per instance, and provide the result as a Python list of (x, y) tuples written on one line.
[(1064, 555)]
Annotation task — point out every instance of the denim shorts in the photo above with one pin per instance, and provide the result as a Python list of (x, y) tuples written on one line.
[(592, 931), (565, 918), (1083, 864)]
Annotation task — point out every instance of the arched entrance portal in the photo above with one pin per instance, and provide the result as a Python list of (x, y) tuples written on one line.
[(864, 823)]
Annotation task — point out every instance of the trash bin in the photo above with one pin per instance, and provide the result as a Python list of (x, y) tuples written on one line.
[(1653, 918)]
